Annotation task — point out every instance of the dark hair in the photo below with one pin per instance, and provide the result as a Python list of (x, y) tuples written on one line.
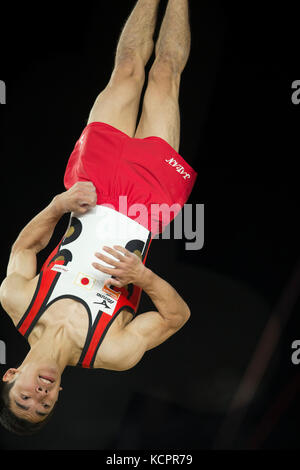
[(13, 423)]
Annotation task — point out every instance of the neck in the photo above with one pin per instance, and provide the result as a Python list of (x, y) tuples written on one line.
[(51, 344)]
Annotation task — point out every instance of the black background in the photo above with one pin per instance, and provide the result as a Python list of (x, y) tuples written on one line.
[(239, 130)]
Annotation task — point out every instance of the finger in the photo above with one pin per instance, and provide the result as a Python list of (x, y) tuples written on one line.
[(91, 194), (114, 253), (103, 269), (113, 282), (123, 250), (86, 185), (107, 259), (93, 202), (90, 191), (85, 202), (82, 209)]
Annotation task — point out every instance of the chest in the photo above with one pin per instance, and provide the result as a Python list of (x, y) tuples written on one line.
[(95, 344)]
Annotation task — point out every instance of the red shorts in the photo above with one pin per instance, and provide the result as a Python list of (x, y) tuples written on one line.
[(148, 173)]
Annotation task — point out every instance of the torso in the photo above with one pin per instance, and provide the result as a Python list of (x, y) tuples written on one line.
[(72, 316), (71, 292)]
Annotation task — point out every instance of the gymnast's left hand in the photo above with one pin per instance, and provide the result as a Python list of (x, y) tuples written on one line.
[(126, 267)]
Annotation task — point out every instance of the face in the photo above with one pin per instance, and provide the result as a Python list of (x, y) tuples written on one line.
[(34, 392)]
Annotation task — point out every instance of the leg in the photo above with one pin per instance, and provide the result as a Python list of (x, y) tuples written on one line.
[(118, 103), (160, 114)]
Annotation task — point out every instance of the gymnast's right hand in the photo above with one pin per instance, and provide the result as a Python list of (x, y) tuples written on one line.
[(80, 198)]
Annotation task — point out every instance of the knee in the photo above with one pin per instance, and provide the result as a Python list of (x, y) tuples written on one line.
[(164, 69), (165, 75), (130, 67)]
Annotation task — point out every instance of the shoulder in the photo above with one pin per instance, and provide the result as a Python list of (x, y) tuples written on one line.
[(16, 292)]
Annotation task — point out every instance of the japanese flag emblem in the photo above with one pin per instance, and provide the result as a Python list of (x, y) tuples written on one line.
[(83, 280)]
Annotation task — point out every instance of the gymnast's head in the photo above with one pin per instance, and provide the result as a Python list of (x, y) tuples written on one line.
[(28, 397)]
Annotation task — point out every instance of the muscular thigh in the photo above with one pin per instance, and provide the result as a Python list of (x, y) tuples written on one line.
[(118, 104), (160, 114)]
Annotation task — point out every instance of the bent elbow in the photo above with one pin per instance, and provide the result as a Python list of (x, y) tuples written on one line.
[(187, 314), (183, 317)]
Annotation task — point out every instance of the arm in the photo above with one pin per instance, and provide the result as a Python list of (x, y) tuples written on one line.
[(166, 299), (151, 328), (33, 238), (21, 269), (38, 232)]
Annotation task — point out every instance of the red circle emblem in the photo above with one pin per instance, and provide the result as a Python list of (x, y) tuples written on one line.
[(84, 281)]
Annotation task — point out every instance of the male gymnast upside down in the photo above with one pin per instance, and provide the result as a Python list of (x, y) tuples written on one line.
[(80, 309)]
